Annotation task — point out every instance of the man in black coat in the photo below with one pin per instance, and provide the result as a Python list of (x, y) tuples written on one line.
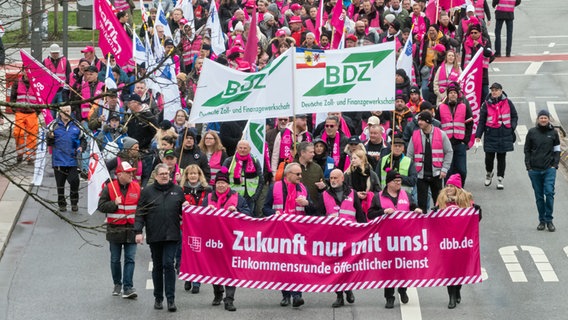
[(190, 153), (159, 210)]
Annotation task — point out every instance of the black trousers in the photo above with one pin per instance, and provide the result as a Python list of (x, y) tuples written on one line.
[(229, 292), (489, 162), (422, 186), (389, 292), (71, 175)]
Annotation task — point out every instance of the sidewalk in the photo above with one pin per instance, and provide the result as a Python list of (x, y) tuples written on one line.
[(11, 201)]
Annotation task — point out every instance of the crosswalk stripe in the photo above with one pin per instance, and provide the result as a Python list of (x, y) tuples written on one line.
[(522, 131), (149, 284), (551, 105), (533, 68), (411, 310), (532, 111)]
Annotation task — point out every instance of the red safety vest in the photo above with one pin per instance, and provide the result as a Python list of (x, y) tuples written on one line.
[(278, 199), (453, 125), (232, 200), (127, 210), (60, 70), (445, 79), (437, 148), (506, 6), (345, 210), (403, 202), (498, 114), (86, 93), (190, 49)]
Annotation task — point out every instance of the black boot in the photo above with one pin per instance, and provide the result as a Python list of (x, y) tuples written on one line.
[(452, 295), (187, 285), (349, 296), (229, 305), (458, 294), (339, 301)]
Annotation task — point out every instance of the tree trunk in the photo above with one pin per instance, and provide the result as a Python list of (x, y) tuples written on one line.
[(25, 18), (55, 20)]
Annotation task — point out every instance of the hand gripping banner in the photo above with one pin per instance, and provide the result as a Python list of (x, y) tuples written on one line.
[(328, 254)]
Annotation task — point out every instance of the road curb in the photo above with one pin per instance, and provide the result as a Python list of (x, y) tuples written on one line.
[(12, 201)]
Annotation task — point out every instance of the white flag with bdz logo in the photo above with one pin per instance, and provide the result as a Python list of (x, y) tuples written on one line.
[(98, 175)]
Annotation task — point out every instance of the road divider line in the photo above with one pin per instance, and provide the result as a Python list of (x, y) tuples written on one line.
[(411, 310), (551, 45), (533, 68), (522, 131), (532, 111), (149, 284)]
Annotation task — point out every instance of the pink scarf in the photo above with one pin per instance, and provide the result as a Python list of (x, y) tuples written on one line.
[(335, 153), (221, 198), (239, 165)]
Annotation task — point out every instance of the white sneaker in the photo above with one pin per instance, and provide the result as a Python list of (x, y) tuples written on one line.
[(488, 178), (500, 183)]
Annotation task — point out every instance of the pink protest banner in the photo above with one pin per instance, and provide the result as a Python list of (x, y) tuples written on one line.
[(327, 254), (45, 84), (471, 81), (112, 36)]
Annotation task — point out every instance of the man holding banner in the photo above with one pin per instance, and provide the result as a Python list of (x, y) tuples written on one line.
[(289, 196)]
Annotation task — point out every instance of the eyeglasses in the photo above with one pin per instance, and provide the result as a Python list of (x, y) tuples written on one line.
[(330, 126), (298, 174), (282, 119)]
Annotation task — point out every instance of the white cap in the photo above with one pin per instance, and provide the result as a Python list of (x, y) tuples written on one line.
[(54, 48), (470, 8)]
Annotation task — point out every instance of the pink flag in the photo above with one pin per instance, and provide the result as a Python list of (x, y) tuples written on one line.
[(252, 41), (447, 4), (319, 21), (471, 80), (337, 18), (430, 11), (112, 36), (44, 83)]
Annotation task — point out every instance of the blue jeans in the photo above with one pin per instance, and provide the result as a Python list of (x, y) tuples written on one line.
[(119, 275), (459, 162), (543, 185), (498, 26), (163, 271)]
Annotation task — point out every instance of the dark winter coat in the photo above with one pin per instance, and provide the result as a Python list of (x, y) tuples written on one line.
[(159, 210), (542, 148), (500, 139)]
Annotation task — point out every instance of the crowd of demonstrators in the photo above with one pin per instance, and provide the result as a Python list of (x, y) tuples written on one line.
[(381, 161)]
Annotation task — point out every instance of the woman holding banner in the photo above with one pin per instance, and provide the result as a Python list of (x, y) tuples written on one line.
[(454, 196), (225, 198)]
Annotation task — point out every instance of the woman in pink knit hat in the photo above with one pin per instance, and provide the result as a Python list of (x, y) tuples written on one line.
[(454, 196)]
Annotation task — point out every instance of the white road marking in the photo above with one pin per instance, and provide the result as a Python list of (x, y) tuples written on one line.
[(541, 261), (411, 310), (533, 68), (150, 266), (149, 284), (512, 264), (546, 52), (496, 69), (532, 111), (551, 45), (522, 131), (484, 275), (510, 75), (548, 36), (552, 109)]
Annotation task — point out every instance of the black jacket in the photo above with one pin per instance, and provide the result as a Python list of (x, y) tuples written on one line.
[(194, 156), (142, 127), (542, 148), (159, 210)]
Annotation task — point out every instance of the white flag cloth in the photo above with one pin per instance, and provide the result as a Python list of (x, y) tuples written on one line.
[(98, 175), (161, 20), (405, 58), (39, 165), (138, 49), (254, 133), (187, 8), (213, 24)]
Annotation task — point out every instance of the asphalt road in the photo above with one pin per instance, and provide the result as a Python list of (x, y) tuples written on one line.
[(49, 272)]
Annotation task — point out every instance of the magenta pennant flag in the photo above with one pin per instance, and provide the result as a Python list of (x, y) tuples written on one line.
[(448, 4), (329, 254), (430, 11), (336, 18), (471, 80), (45, 84), (251, 47), (112, 36), (319, 21)]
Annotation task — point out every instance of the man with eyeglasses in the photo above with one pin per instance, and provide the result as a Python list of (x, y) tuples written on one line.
[(289, 196), (392, 198), (159, 211)]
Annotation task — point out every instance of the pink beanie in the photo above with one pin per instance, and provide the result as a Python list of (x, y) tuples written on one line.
[(455, 179)]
